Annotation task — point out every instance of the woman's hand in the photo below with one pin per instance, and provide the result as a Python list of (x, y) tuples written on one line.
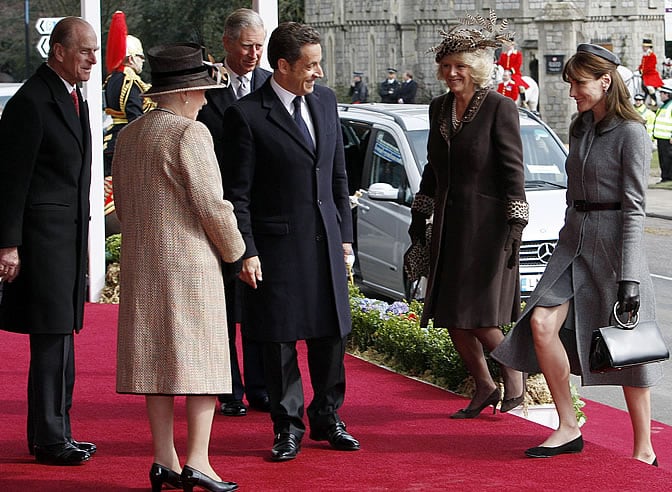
[(628, 297)]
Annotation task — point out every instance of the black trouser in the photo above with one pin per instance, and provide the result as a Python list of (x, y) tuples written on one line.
[(51, 379), (253, 363), (665, 158), (285, 388)]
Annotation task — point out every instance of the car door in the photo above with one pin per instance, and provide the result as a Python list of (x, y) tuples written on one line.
[(383, 214)]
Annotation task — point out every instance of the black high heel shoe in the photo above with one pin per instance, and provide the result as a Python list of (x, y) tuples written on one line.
[(511, 403), (470, 413), (192, 477), (159, 474)]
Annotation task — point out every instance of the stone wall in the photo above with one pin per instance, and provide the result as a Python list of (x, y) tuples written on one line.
[(371, 35)]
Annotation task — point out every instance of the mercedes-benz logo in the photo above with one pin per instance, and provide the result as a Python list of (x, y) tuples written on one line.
[(544, 252)]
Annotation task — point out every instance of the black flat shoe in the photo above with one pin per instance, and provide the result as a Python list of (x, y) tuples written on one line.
[(60, 455), (192, 478), (470, 413), (574, 446), (234, 408), (160, 475), (337, 436), (511, 403), (285, 447)]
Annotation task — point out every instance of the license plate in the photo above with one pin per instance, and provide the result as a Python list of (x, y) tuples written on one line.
[(529, 282)]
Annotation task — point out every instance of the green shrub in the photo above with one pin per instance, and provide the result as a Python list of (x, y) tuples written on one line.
[(112, 248)]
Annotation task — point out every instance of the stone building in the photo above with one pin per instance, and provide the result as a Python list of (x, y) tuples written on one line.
[(371, 35)]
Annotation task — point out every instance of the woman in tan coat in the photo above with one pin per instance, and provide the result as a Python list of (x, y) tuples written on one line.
[(176, 228)]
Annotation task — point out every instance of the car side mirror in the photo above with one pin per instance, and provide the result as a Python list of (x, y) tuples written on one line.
[(384, 192)]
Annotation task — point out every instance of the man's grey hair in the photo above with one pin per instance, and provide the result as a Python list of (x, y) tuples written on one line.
[(242, 19)]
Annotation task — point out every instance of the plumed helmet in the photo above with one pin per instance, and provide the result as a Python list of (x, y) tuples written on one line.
[(133, 46)]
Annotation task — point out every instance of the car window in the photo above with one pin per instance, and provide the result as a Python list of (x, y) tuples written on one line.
[(387, 165), (543, 157), (418, 141), (355, 140)]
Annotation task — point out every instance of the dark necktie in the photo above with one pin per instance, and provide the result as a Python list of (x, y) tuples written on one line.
[(301, 123), (75, 100)]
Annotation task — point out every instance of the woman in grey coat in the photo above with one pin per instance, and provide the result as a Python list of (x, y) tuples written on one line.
[(599, 258)]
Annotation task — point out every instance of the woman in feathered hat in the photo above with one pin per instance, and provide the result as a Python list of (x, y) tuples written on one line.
[(176, 229), (474, 186)]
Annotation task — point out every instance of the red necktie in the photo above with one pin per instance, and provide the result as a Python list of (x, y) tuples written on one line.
[(75, 100)]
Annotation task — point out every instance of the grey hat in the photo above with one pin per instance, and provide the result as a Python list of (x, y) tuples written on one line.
[(639, 97), (391, 70), (665, 89), (179, 68), (600, 51)]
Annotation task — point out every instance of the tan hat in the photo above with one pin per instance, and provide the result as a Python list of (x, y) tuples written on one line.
[(178, 68)]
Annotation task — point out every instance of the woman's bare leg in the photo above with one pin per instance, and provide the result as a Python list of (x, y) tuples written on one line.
[(638, 401), (160, 415), (546, 324), (200, 412)]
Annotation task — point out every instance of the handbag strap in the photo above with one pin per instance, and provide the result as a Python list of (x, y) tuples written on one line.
[(630, 324)]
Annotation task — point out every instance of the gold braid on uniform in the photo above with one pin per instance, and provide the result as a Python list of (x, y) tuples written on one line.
[(518, 211)]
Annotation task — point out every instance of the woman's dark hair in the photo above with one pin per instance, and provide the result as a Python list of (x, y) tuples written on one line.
[(584, 65)]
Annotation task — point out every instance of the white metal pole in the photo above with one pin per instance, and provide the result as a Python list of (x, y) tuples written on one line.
[(268, 10), (93, 92)]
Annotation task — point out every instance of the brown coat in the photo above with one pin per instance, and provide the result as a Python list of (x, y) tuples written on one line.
[(472, 175), (176, 228)]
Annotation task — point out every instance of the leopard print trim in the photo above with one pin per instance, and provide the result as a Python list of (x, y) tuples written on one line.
[(423, 204), (445, 120), (518, 211)]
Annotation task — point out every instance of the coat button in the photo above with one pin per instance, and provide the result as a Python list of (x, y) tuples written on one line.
[(319, 202), (318, 237)]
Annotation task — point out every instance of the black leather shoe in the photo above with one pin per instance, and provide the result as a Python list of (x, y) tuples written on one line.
[(337, 436), (192, 478), (262, 404), (160, 475), (573, 446), (234, 408), (89, 447), (60, 455), (285, 447)]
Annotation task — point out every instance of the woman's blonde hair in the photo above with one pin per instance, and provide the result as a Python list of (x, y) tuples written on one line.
[(584, 65), (481, 64)]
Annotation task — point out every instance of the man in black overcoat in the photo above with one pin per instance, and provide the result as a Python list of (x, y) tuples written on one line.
[(285, 175), (45, 175), (243, 39)]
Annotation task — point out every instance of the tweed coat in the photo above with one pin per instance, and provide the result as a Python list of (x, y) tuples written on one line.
[(472, 176), (176, 228), (293, 211), (45, 176), (607, 163)]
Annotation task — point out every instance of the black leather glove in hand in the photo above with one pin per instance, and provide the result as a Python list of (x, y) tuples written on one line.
[(628, 297), (513, 242), (417, 228)]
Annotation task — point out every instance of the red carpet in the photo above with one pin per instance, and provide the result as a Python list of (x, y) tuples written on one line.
[(407, 441)]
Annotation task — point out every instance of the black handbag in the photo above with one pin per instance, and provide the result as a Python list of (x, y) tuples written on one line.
[(626, 344)]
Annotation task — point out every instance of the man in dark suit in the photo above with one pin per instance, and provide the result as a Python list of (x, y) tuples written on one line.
[(243, 39), (408, 89), (285, 175), (45, 173)]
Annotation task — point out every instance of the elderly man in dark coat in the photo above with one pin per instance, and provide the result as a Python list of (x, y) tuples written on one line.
[(45, 173), (285, 175)]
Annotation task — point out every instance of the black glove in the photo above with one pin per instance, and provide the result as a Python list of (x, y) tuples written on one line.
[(513, 242), (628, 297), (417, 228)]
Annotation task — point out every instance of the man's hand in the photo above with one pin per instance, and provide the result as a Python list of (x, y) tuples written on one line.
[(251, 271), (9, 264)]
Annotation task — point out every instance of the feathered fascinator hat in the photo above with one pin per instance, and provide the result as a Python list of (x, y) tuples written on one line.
[(473, 33)]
